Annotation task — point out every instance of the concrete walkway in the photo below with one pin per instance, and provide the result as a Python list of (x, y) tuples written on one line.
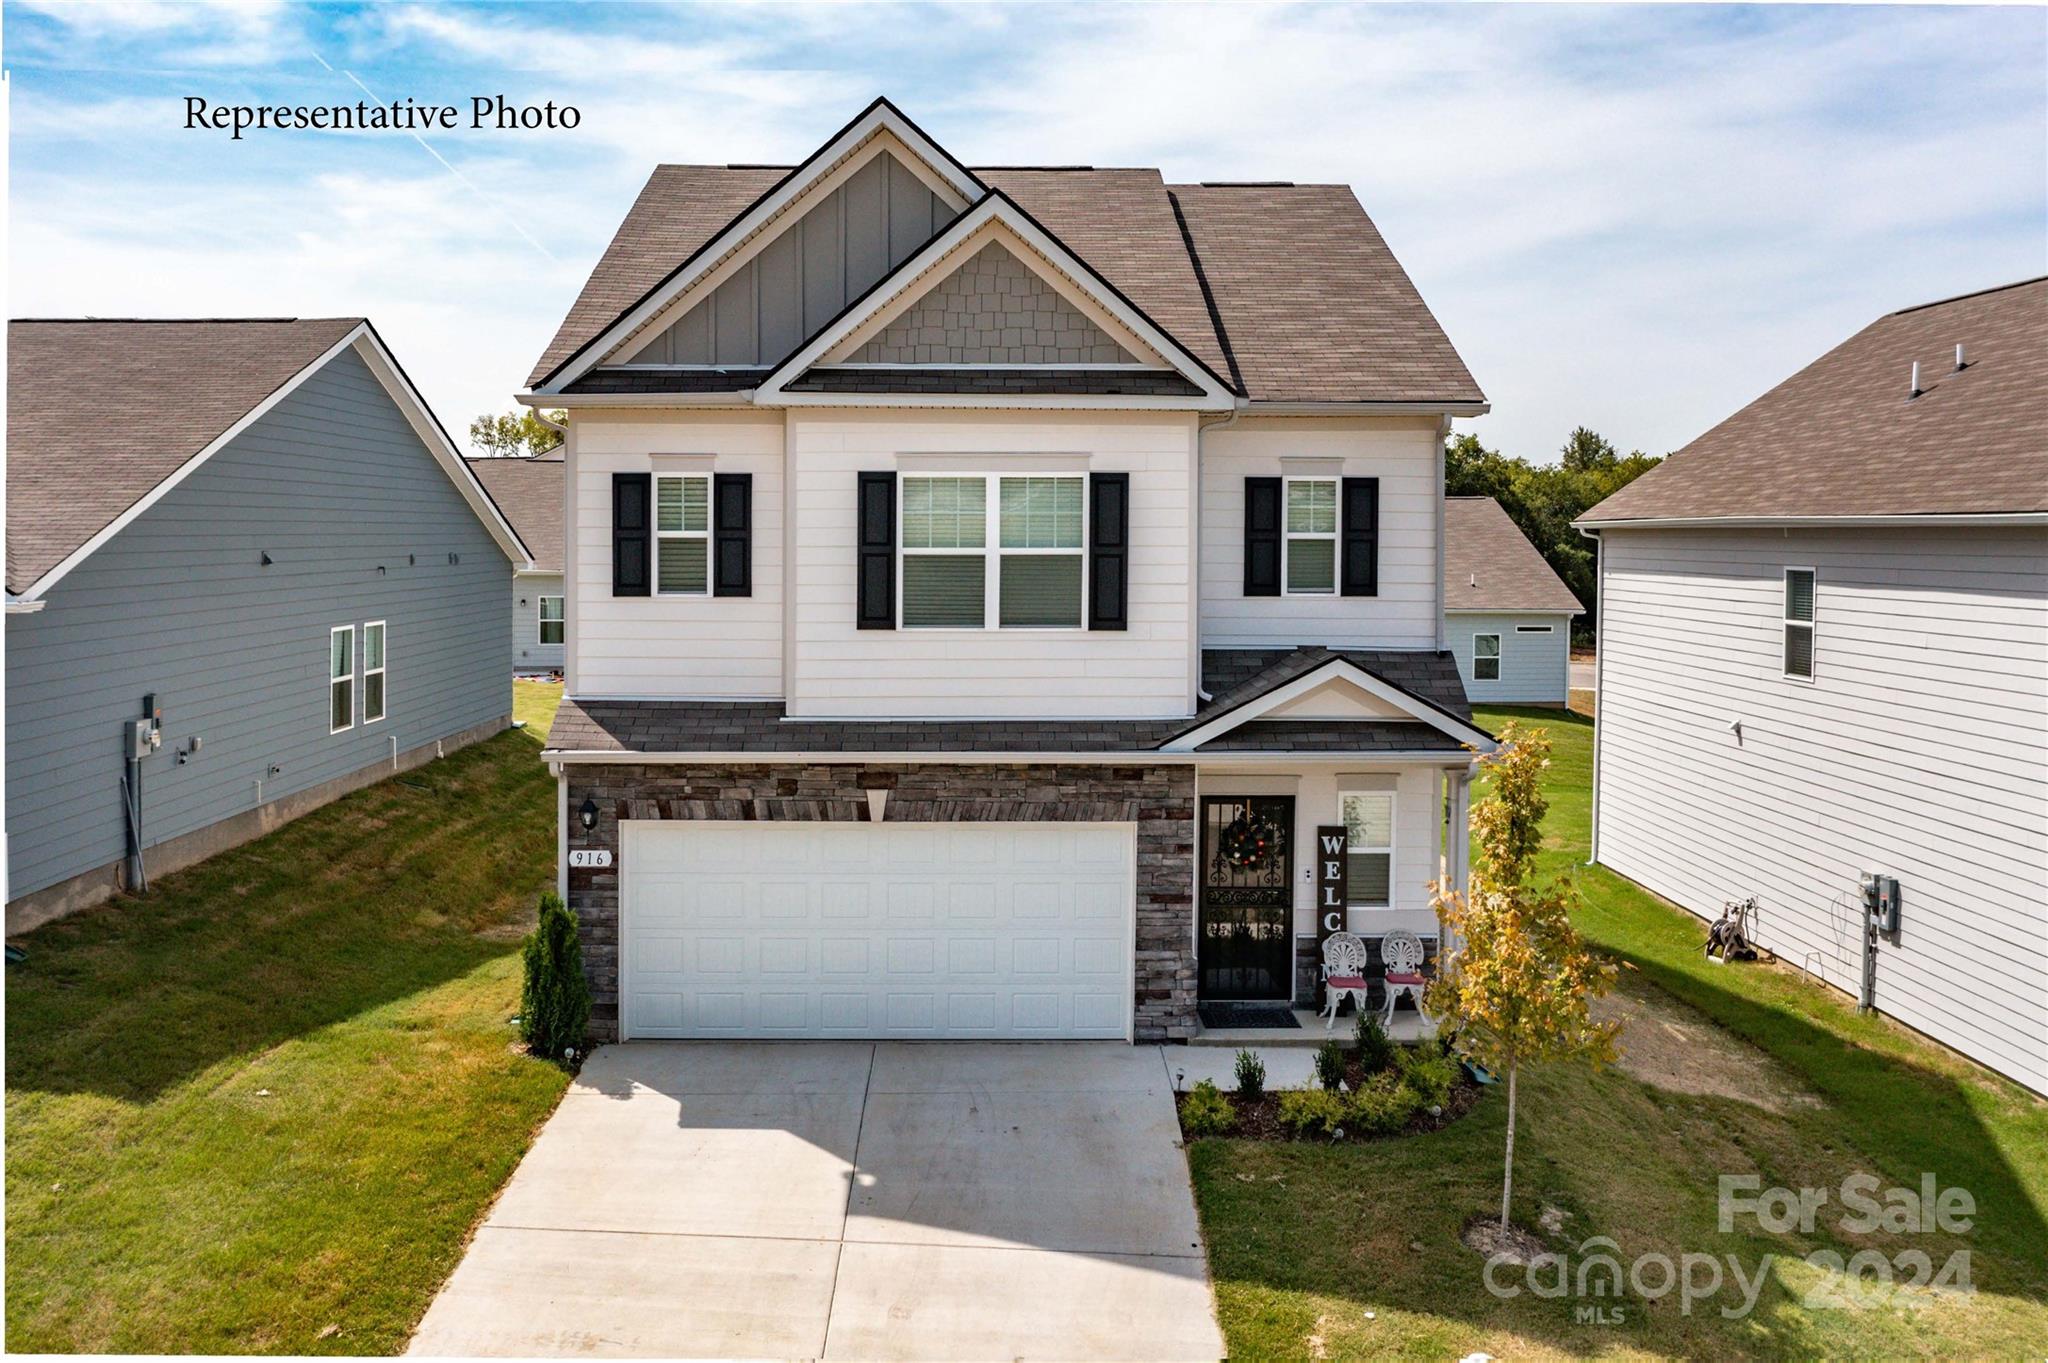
[(750, 1200)]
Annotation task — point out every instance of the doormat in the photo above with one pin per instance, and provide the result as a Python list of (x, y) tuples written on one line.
[(1277, 1016)]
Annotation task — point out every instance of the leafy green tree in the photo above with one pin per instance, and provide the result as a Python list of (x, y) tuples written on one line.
[(1519, 986), (515, 433)]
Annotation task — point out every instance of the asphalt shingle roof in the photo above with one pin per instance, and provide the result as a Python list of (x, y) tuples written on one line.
[(528, 493), (1841, 437), (1489, 564), (101, 412)]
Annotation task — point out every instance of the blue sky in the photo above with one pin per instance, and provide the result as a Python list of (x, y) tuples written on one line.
[(1632, 217)]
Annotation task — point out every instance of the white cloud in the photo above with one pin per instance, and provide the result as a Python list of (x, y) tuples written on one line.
[(176, 32)]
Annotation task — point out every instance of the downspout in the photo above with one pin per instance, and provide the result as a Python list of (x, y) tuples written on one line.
[(1236, 411), (1443, 436), (1599, 677)]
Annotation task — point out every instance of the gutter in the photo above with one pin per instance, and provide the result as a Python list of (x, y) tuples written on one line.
[(1126, 757), (1587, 526)]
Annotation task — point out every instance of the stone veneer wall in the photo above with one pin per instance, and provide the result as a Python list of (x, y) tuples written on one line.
[(1159, 799)]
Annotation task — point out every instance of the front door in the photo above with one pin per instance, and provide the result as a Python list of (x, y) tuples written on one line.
[(1247, 909)]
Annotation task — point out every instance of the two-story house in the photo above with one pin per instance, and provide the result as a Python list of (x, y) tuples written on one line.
[(983, 584)]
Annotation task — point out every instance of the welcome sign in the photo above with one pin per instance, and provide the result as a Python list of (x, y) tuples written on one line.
[(1330, 885)]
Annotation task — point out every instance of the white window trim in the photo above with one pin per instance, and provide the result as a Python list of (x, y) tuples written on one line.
[(1786, 624), (1288, 537), (1393, 799), (383, 670), (992, 554), (333, 681), (661, 534), (1499, 654), (541, 621)]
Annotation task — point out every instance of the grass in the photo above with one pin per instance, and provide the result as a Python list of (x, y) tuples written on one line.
[(1347, 1251), (260, 1110)]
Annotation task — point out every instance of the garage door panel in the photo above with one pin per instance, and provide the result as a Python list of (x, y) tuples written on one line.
[(857, 930)]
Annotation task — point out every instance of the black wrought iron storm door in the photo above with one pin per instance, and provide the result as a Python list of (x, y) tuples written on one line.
[(1247, 908)]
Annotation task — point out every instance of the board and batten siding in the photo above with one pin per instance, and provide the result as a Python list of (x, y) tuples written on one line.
[(1403, 453), (1919, 750), (837, 669), (1535, 668), (360, 523), (529, 654), (672, 647)]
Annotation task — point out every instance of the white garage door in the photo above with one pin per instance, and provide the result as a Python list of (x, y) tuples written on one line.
[(940, 930)]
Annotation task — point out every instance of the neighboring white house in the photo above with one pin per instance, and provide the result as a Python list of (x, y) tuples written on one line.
[(983, 584), (1824, 653), (1507, 614), (528, 490)]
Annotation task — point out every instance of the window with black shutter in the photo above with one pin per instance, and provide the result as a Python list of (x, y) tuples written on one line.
[(876, 572), (632, 540), (1262, 537), (1361, 574), (732, 534), (1109, 529)]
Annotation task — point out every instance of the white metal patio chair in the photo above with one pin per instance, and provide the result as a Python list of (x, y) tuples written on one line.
[(1402, 953), (1343, 973)]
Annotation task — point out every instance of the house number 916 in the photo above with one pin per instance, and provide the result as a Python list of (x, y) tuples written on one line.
[(590, 856)]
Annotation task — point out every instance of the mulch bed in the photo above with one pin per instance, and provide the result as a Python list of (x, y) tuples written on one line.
[(1259, 1120)]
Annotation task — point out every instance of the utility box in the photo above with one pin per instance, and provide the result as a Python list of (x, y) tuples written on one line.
[(1881, 902)]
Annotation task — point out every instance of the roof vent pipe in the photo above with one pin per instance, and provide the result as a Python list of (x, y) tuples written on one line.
[(1959, 357), (1916, 382)]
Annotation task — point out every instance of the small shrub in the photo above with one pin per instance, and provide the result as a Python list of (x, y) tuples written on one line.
[(1251, 1076), (1313, 1112), (1429, 1074), (554, 1001), (1375, 1049), (1330, 1066), (1207, 1112), (1382, 1107)]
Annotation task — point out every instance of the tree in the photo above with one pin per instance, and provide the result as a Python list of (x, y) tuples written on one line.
[(1544, 499), (1519, 987), (515, 433)]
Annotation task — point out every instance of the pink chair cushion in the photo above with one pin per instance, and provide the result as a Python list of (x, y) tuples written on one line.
[(1404, 979), (1347, 981)]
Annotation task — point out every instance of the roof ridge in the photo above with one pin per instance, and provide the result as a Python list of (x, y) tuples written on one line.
[(1974, 293), (183, 321)]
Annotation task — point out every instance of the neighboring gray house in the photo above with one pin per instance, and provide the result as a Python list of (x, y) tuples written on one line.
[(1824, 654), (1507, 614), (529, 492), (254, 538)]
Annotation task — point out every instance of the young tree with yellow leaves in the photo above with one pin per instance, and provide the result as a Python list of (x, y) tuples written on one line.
[(1519, 985)]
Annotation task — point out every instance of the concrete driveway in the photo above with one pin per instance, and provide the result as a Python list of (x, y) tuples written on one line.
[(902, 1201)]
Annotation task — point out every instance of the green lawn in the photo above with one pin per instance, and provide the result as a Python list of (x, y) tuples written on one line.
[(1353, 1251), (260, 1110)]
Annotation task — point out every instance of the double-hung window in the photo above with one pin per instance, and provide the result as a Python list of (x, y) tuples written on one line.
[(341, 678), (1368, 847), (1486, 657), (373, 671), (682, 534), (1311, 541), (1799, 584), (1002, 551), (551, 620)]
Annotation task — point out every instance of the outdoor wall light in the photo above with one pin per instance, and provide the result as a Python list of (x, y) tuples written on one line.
[(588, 813)]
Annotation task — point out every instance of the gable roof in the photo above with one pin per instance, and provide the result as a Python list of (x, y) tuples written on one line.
[(104, 416), (1841, 438), (1489, 564), (529, 493), (1425, 686), (1291, 286)]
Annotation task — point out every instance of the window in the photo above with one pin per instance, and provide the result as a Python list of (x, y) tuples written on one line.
[(1311, 548), (551, 619), (682, 534), (1486, 657), (1799, 623), (1368, 848), (373, 672), (341, 678), (1033, 530)]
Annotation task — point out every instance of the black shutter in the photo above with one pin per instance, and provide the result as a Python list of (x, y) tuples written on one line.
[(632, 533), (1360, 573), (1109, 535), (1262, 537), (732, 534), (877, 575)]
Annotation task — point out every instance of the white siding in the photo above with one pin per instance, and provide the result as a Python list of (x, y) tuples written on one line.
[(839, 670), (673, 646), (1919, 749), (1535, 669), (1402, 453), (529, 654)]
